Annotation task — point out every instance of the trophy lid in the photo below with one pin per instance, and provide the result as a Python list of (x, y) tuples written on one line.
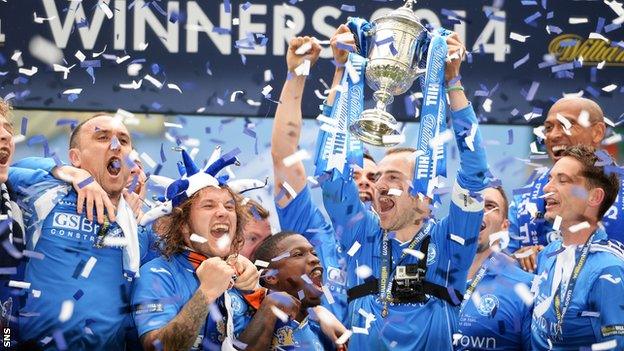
[(404, 13)]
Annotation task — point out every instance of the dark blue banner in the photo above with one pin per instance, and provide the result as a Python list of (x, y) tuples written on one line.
[(227, 57)]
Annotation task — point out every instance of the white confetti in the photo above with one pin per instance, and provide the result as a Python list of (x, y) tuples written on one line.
[(289, 189), (174, 87), (19, 284), (522, 290), (72, 91), (198, 239), (605, 345), (298, 156), (393, 139), (614, 139), (598, 36), (88, 267), (107, 11), (303, 49), (564, 121), (363, 271), (45, 50), (419, 255), (29, 72), (267, 90), (458, 239), (344, 337), (224, 242), (609, 88), (328, 120), (358, 330), (17, 57), (524, 254), (154, 81), (281, 315), (601, 65), (120, 60), (470, 137), (354, 248), (518, 37), (234, 94), (395, 192), (261, 264), (65, 70), (251, 102), (583, 119), (579, 226), (143, 46), (40, 20), (487, 105), (268, 75), (148, 160), (546, 195), (578, 20), (134, 85), (557, 223), (304, 68), (502, 237), (80, 56), (172, 125), (134, 69), (96, 54), (67, 309), (115, 241), (36, 293), (534, 149)]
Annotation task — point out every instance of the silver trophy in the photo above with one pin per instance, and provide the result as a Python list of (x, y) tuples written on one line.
[(390, 71)]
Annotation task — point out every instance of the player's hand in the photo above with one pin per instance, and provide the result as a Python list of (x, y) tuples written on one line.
[(340, 41), (135, 203), (215, 277), (297, 52), (248, 274), (282, 301), (527, 257), (330, 325), (456, 53), (92, 195)]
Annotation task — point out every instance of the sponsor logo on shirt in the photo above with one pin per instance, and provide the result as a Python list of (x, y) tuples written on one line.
[(74, 222), (610, 330), (336, 276), (488, 306), (481, 342)]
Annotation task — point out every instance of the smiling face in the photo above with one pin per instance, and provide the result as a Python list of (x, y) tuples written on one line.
[(494, 217), (365, 180), (289, 274), (394, 176), (213, 217), (7, 147), (588, 130), (102, 149), (570, 194)]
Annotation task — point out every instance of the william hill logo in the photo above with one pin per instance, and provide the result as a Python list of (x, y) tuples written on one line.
[(571, 47)]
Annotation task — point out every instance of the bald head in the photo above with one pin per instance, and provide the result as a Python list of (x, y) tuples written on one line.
[(573, 121), (579, 104)]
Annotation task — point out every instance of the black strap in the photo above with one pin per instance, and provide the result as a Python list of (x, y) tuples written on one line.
[(371, 286)]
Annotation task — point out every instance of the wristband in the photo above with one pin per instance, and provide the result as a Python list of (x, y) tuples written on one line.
[(455, 88)]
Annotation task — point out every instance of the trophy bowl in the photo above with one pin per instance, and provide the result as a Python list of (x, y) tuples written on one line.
[(392, 67)]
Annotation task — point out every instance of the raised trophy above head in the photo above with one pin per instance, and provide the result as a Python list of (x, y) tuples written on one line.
[(393, 65)]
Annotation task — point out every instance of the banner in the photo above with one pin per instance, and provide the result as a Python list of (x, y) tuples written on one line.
[(228, 57)]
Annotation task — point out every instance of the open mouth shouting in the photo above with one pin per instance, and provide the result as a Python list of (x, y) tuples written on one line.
[(114, 166), (551, 203), (483, 226), (5, 154), (385, 204), (316, 276), (220, 229)]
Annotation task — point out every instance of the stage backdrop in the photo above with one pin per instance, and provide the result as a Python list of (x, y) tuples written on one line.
[(227, 57)]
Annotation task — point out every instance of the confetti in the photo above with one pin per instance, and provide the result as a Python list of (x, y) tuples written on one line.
[(521, 61), (354, 248), (605, 345), (525, 294), (303, 69), (45, 50), (280, 257), (458, 239), (328, 295), (363, 271), (297, 157), (198, 239), (148, 160), (579, 226), (154, 81), (174, 87), (67, 309), (28, 72), (518, 37), (557, 223), (395, 192), (524, 254), (88, 267), (609, 88), (85, 182), (281, 315), (344, 337), (303, 49), (291, 192), (18, 284), (578, 20), (393, 139), (419, 255), (261, 264)]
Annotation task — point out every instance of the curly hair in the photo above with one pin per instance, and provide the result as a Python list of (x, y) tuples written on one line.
[(170, 227), (5, 109)]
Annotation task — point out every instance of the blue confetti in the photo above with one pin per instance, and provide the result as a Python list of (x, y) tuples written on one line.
[(59, 339), (91, 73), (155, 69), (91, 63), (221, 31), (85, 182), (78, 294), (556, 252), (72, 97), (24, 126), (246, 5), (227, 6), (174, 17), (611, 27), (510, 138), (163, 158), (600, 25), (64, 121), (37, 139), (521, 61), (347, 8), (532, 90), (532, 18)]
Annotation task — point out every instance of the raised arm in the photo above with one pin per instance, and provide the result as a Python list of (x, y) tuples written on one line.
[(288, 120)]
